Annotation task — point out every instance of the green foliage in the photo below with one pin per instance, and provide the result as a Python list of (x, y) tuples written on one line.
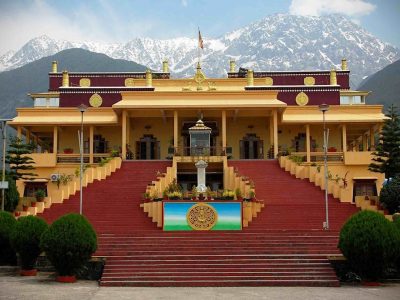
[(390, 195), (173, 187), (21, 164), (11, 195), (25, 239), (370, 243), (7, 224), (296, 159), (387, 154), (114, 153), (69, 243), (104, 161), (40, 194)]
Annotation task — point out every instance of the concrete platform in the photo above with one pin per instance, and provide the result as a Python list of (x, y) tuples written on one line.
[(44, 287)]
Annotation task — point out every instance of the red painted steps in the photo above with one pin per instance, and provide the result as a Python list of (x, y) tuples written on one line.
[(284, 245)]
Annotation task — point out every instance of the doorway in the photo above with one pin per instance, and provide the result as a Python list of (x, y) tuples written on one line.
[(251, 147), (148, 147)]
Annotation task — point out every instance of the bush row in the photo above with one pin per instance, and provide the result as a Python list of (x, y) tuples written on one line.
[(68, 243)]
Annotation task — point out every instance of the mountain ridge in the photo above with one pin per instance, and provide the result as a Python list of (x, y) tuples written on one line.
[(277, 42)]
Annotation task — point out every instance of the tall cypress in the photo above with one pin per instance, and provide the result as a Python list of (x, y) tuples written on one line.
[(387, 154), (21, 164)]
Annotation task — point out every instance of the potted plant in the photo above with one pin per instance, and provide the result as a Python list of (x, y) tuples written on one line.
[(228, 195), (146, 197), (33, 202), (194, 193), (209, 193), (69, 243), (238, 194), (40, 195), (252, 195), (175, 195), (25, 239), (68, 150)]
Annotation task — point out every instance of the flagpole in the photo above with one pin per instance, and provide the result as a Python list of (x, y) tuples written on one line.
[(198, 46)]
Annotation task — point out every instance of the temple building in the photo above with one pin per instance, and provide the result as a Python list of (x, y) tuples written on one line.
[(252, 115), (243, 155)]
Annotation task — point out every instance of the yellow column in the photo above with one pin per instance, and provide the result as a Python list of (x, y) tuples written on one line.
[(55, 140), (128, 131), (275, 133), (176, 124), (344, 138), (19, 132), (123, 146), (372, 138), (223, 125), (308, 146), (91, 142), (28, 136)]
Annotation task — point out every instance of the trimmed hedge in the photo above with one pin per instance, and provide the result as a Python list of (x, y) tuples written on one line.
[(7, 224), (25, 239), (370, 243), (69, 243), (390, 195)]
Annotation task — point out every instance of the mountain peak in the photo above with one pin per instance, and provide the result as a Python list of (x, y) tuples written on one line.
[(276, 42)]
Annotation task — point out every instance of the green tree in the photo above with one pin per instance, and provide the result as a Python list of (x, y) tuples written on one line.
[(387, 154), (11, 195), (21, 164)]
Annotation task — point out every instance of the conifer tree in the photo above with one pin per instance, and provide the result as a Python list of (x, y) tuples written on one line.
[(21, 164), (387, 154)]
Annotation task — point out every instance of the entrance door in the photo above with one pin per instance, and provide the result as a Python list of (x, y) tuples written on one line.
[(148, 148), (251, 147)]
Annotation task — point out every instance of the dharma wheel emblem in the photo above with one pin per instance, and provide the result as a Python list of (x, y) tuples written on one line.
[(95, 100), (309, 81), (84, 82), (302, 99), (202, 217)]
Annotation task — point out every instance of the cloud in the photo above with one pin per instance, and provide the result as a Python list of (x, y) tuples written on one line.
[(20, 24), (184, 3), (352, 8)]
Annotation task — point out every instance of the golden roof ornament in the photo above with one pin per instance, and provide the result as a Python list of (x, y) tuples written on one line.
[(333, 79), (344, 64), (199, 77), (149, 78), (65, 79), (250, 78), (54, 66)]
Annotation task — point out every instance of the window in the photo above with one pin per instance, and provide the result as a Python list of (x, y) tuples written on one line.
[(46, 102)]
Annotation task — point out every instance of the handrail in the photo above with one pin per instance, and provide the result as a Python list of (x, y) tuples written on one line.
[(202, 151), (319, 156)]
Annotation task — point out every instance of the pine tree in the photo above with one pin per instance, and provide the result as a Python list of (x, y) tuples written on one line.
[(19, 160), (387, 154)]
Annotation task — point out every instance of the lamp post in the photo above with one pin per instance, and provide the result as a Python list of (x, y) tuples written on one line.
[(324, 108), (82, 108), (3, 176)]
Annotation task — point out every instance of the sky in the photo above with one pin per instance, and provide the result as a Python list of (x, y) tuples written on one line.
[(122, 20)]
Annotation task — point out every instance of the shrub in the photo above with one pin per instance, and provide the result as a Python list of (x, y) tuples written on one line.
[(369, 242), (11, 195), (25, 239), (69, 243), (7, 224), (390, 195)]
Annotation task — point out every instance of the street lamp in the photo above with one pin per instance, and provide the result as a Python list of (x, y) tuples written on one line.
[(82, 108), (4, 185), (324, 108)]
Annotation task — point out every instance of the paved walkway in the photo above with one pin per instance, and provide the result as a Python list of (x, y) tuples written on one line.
[(44, 287)]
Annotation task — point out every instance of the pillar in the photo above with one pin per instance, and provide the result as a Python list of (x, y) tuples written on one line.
[(176, 124), (91, 142), (344, 138), (223, 125), (308, 145), (28, 136), (19, 132), (372, 138), (123, 146), (55, 140), (275, 115), (128, 131)]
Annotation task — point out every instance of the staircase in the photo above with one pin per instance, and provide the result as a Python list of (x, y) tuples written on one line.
[(112, 205), (283, 246)]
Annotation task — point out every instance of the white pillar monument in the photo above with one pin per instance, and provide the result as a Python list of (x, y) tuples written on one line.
[(201, 166)]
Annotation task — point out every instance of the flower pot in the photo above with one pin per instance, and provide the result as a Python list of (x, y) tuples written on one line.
[(32, 272), (41, 199), (25, 207), (208, 198), (194, 198), (33, 204), (66, 279), (17, 213)]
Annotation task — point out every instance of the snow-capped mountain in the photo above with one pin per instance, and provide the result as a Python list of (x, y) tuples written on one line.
[(277, 42)]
